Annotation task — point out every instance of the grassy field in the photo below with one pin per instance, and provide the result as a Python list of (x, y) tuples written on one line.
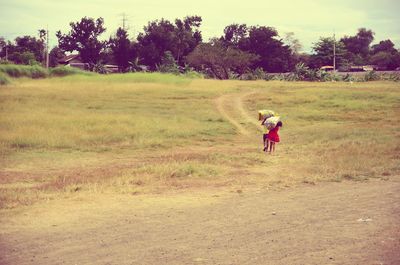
[(147, 133)]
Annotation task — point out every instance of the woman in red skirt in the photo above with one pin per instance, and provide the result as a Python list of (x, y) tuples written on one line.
[(273, 136)]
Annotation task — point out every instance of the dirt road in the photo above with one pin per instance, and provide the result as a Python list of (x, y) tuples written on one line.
[(331, 223)]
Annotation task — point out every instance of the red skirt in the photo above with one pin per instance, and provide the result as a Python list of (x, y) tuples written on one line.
[(273, 136)]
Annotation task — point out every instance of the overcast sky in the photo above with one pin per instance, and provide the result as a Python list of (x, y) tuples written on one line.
[(308, 19)]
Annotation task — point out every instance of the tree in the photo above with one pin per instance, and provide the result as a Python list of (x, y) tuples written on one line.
[(83, 38), (122, 49), (293, 43), (161, 36), (29, 44), (55, 54), (187, 36), (234, 34), (383, 46), (219, 59), (3, 44), (25, 57), (168, 64), (386, 60), (274, 56), (323, 53), (358, 46)]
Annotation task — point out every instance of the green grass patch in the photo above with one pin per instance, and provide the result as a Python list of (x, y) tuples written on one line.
[(4, 80), (61, 71), (17, 71)]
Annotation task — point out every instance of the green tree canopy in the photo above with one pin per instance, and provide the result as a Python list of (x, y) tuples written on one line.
[(160, 36), (123, 50), (323, 53), (83, 38), (358, 46), (219, 59)]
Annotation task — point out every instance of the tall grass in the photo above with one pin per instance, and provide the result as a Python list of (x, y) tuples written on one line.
[(150, 132), (17, 71), (4, 80), (60, 71)]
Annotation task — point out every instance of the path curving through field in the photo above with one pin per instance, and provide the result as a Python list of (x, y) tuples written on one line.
[(231, 107)]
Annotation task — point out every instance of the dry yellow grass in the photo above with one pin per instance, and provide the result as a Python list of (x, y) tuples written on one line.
[(151, 133)]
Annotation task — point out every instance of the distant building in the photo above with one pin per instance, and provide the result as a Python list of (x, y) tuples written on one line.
[(74, 60), (327, 68), (363, 68)]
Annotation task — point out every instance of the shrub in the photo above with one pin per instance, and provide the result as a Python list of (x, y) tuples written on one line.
[(371, 76), (168, 64), (100, 68), (4, 80), (65, 71), (37, 71), (349, 78), (193, 75), (34, 71), (257, 74)]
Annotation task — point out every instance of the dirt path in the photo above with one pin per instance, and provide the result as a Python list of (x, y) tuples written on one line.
[(327, 223), (333, 223)]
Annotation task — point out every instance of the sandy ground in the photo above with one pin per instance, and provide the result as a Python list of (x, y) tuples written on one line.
[(328, 223)]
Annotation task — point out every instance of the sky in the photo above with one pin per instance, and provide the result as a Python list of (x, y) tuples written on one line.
[(308, 19)]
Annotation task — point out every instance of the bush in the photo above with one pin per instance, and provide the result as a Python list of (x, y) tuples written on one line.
[(65, 71), (100, 68), (371, 76), (193, 75), (257, 74), (34, 71), (4, 80), (392, 77), (168, 64), (349, 78)]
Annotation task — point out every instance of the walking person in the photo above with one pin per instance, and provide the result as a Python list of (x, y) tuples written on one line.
[(273, 137)]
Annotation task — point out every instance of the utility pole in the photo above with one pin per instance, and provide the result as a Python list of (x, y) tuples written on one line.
[(124, 20), (334, 52), (47, 47)]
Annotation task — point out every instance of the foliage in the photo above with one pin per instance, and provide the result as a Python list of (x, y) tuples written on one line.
[(122, 49), (323, 53), (66, 70), (293, 43), (371, 76), (4, 80), (83, 38), (160, 36), (383, 46), (257, 74), (273, 55), (26, 45), (386, 60), (55, 55), (27, 58), (220, 60), (168, 64), (100, 68), (234, 35), (358, 46), (17, 71)]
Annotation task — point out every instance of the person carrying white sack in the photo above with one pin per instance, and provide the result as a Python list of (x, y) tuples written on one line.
[(263, 115), (271, 123)]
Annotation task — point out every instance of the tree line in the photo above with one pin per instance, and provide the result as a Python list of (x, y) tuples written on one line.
[(178, 46)]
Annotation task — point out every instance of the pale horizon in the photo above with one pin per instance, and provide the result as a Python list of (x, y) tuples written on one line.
[(308, 19)]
